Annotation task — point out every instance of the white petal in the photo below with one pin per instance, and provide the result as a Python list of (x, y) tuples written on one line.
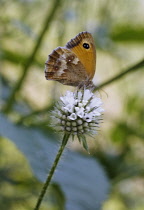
[(68, 98), (96, 113), (80, 104), (87, 94), (99, 109), (79, 95), (77, 109), (73, 116), (95, 102), (84, 102), (88, 117), (88, 108), (69, 108), (80, 112)]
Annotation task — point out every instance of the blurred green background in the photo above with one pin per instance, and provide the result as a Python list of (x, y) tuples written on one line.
[(112, 177)]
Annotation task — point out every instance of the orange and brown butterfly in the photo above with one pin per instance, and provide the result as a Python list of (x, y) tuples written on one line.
[(75, 63)]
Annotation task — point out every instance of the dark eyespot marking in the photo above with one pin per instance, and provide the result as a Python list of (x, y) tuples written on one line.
[(56, 68), (58, 63), (70, 58), (86, 45)]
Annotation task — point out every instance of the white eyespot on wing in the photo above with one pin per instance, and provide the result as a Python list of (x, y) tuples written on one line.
[(75, 61), (63, 56)]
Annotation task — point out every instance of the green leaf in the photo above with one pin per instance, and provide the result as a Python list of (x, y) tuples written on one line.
[(128, 34), (17, 57), (56, 197), (83, 139), (81, 178)]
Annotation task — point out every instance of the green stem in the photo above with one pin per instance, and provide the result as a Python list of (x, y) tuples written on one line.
[(50, 175), (46, 25), (119, 76)]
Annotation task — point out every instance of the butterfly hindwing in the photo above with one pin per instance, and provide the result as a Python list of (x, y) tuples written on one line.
[(64, 66)]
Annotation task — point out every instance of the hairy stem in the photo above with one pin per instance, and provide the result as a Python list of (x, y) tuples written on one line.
[(50, 175)]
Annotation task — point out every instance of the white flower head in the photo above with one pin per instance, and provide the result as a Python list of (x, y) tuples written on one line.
[(78, 113)]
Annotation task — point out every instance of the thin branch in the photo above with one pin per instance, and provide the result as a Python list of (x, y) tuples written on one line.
[(45, 27), (119, 76), (52, 170)]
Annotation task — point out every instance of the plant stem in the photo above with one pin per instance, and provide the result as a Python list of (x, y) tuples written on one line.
[(50, 175), (46, 25), (123, 73)]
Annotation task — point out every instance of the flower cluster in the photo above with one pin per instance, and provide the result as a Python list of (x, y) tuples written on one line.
[(78, 113)]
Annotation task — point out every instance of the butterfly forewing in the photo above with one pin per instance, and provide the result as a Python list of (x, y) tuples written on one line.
[(86, 56)]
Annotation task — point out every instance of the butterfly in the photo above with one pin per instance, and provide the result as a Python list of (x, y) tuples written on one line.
[(75, 63)]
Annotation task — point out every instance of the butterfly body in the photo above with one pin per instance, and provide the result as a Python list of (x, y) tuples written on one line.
[(73, 64)]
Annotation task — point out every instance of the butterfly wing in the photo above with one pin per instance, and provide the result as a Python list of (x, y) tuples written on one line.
[(65, 67), (73, 64), (83, 47)]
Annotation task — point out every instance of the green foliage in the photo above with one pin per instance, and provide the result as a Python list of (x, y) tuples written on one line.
[(30, 30), (40, 150), (128, 34)]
